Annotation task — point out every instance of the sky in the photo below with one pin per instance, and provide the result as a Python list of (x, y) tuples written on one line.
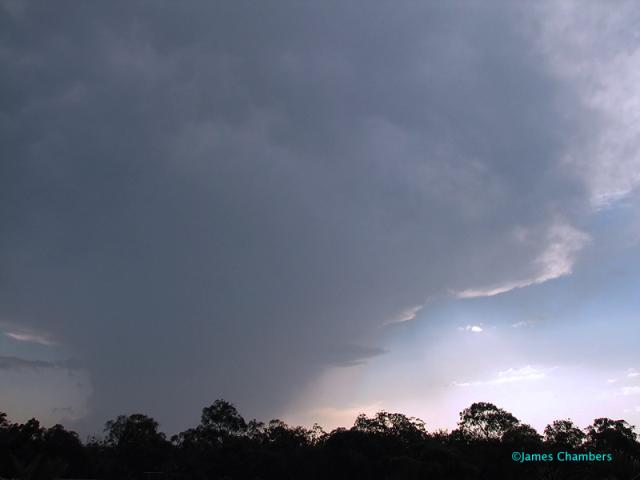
[(317, 209)]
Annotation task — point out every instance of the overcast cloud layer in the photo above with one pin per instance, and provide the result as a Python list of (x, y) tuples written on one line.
[(223, 199)]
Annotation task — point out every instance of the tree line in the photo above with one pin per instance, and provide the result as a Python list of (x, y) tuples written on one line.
[(383, 446)]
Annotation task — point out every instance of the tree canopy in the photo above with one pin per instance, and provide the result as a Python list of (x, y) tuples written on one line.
[(383, 446)]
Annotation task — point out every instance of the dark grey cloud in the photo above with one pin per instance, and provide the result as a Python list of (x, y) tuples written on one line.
[(12, 363), (8, 362), (350, 355), (208, 199)]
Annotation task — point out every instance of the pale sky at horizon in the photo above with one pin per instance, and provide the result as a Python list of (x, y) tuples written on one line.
[(317, 209)]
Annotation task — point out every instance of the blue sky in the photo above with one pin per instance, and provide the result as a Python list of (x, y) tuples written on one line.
[(566, 348)]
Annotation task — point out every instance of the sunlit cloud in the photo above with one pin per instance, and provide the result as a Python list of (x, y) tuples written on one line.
[(590, 47), (406, 315), (471, 328), (564, 242), (31, 338)]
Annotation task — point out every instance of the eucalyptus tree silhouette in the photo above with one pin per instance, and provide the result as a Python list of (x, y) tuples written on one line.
[(137, 429), (485, 421), (564, 434), (136, 444), (606, 433), (223, 418), (392, 424), (522, 435), (379, 447)]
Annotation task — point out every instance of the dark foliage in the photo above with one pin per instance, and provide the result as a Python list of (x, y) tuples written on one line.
[(386, 446)]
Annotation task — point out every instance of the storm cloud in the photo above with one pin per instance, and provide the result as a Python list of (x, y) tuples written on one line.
[(223, 199)]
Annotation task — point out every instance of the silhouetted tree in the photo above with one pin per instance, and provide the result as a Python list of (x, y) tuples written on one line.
[(136, 429), (485, 421), (280, 434), (607, 434), (565, 434), (392, 425), (65, 446), (523, 435), (223, 418), (138, 445), (384, 446)]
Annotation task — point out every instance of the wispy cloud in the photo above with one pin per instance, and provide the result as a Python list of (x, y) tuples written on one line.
[(527, 323), (510, 375), (627, 391), (630, 373), (471, 328), (31, 338), (406, 315)]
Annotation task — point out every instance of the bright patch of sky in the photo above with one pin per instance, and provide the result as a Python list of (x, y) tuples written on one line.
[(543, 349)]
